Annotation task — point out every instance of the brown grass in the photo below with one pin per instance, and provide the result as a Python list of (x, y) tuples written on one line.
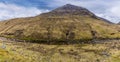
[(32, 52)]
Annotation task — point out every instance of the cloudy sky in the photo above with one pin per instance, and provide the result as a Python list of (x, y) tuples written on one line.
[(109, 9)]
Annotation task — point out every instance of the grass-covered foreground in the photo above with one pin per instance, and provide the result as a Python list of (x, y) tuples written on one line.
[(8, 56), (29, 52)]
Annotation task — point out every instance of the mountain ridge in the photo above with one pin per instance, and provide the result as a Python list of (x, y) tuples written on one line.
[(72, 10), (69, 9)]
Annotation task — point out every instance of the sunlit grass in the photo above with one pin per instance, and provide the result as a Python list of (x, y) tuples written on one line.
[(32, 52)]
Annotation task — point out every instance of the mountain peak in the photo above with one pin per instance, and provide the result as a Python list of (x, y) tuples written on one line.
[(69, 9), (70, 6)]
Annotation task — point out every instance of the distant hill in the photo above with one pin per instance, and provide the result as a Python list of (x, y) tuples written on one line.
[(119, 23), (65, 23)]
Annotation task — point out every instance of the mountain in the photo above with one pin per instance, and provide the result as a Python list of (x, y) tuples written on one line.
[(66, 23), (69, 9)]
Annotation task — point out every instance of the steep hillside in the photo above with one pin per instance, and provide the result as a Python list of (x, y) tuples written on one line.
[(65, 23)]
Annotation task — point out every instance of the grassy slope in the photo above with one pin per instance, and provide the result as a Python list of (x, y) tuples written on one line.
[(31, 52), (9, 56), (37, 28)]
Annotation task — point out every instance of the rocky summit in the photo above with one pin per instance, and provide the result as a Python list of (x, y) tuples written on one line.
[(71, 10)]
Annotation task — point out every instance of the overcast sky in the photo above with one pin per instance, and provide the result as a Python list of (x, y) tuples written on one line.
[(109, 9)]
